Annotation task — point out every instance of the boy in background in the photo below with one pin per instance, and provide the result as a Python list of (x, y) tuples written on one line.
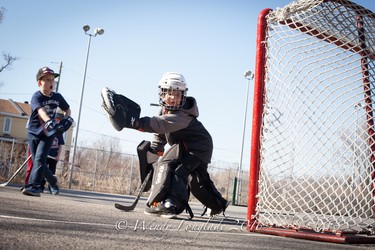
[(42, 128)]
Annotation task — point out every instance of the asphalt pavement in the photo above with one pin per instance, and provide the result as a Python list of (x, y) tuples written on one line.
[(87, 220)]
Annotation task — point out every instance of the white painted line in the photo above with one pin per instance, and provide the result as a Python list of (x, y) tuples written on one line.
[(54, 221)]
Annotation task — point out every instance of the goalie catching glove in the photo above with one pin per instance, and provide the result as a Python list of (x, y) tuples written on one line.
[(123, 112)]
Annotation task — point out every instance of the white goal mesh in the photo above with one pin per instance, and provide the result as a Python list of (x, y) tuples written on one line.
[(317, 131)]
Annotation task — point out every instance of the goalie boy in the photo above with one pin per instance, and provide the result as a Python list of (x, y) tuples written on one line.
[(183, 166)]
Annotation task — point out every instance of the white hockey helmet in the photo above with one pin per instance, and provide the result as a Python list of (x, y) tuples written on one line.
[(172, 81)]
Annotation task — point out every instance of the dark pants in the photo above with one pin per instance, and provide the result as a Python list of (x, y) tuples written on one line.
[(52, 165), (39, 148)]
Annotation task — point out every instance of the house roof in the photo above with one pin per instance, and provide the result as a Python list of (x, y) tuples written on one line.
[(11, 107)]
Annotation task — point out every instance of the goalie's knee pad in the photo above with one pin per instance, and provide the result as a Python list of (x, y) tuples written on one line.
[(205, 191)]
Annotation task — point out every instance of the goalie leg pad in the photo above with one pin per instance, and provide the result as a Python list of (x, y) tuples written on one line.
[(166, 184), (202, 187)]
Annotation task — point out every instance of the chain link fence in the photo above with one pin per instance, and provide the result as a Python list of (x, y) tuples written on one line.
[(109, 171)]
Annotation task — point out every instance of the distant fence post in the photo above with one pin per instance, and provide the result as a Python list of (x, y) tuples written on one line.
[(234, 191)]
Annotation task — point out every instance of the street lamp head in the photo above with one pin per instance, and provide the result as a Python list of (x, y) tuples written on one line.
[(86, 28), (249, 75), (99, 31)]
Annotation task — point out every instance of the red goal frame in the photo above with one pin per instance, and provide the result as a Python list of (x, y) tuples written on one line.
[(257, 120)]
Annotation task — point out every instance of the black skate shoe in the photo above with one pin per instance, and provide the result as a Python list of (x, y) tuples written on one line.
[(165, 209), (108, 100), (31, 191)]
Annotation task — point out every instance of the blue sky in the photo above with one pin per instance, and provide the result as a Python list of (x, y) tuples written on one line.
[(211, 42)]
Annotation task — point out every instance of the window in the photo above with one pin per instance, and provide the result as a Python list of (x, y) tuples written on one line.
[(7, 125)]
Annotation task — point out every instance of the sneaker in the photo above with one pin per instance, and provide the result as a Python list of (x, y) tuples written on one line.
[(55, 190), (108, 102), (161, 209), (31, 191)]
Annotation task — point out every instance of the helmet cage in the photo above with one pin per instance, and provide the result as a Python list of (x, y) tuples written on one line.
[(175, 92), (173, 84)]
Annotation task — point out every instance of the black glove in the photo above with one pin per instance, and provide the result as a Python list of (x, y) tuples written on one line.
[(64, 124), (49, 127), (127, 113), (131, 111)]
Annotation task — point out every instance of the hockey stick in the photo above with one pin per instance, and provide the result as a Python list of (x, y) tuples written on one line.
[(18, 170), (62, 161), (132, 206)]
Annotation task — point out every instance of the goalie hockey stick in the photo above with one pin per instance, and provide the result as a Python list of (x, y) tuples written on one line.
[(17, 171), (132, 206)]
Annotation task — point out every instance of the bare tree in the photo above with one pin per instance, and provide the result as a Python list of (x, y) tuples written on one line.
[(8, 58)]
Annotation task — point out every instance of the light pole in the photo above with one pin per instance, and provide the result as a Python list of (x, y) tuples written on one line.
[(98, 31), (249, 76)]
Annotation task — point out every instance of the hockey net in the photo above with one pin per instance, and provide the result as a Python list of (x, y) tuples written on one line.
[(313, 141)]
